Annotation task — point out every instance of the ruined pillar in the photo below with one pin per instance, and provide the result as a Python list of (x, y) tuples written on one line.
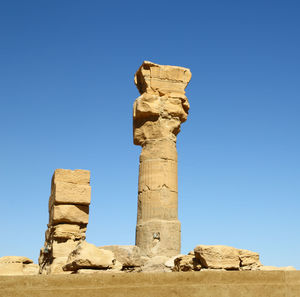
[(157, 115), (68, 218)]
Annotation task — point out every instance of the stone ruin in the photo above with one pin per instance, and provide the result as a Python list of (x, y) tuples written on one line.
[(157, 116), (68, 218)]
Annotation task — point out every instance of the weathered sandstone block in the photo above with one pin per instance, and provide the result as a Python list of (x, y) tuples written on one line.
[(15, 259), (218, 256), (67, 231), (156, 129), (78, 214), (70, 193), (87, 255), (170, 262), (16, 265), (63, 249), (161, 79), (156, 264), (187, 263), (147, 105), (57, 265), (249, 258), (127, 255), (77, 176), (165, 242)]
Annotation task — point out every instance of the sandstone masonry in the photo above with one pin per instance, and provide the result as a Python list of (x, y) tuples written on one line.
[(68, 218), (157, 115)]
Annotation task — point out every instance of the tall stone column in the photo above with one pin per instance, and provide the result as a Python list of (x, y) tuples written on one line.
[(157, 115)]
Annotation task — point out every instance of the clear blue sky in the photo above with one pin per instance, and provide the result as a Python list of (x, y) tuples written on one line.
[(66, 92)]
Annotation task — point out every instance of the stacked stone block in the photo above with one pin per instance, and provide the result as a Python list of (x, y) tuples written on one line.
[(68, 218), (157, 116)]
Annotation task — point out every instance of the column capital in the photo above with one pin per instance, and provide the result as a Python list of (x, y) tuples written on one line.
[(162, 106)]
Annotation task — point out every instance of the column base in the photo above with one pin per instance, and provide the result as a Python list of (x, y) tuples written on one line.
[(159, 238)]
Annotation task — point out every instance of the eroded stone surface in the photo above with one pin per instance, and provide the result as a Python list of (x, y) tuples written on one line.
[(15, 259), (187, 263), (16, 265), (159, 237), (249, 260), (218, 256), (156, 264), (157, 116), (87, 255), (77, 176), (170, 262), (68, 217), (67, 231), (70, 193), (128, 255), (63, 249), (56, 267), (152, 78), (76, 214)]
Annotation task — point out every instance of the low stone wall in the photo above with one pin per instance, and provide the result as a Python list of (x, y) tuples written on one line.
[(186, 284)]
